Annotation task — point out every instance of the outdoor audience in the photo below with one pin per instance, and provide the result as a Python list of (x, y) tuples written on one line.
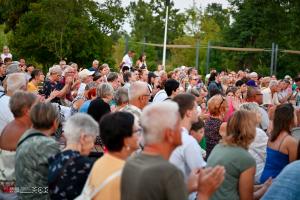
[(96, 133)]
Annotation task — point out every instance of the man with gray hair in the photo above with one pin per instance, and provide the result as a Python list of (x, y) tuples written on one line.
[(270, 94), (139, 95), (95, 66), (14, 82), (160, 179)]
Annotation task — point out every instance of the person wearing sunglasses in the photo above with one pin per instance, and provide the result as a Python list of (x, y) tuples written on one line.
[(217, 107)]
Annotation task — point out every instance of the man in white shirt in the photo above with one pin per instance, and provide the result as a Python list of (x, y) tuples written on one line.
[(15, 81), (187, 156), (127, 59), (270, 95)]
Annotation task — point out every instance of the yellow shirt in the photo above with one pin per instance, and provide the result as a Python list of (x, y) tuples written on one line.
[(102, 169), (32, 88)]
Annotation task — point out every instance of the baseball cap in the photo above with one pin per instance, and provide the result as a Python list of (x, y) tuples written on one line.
[(85, 73)]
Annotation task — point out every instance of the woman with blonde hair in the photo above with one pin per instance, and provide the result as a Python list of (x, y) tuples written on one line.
[(233, 154), (258, 147)]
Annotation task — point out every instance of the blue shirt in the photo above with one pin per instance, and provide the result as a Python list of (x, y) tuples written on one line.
[(286, 185), (85, 106)]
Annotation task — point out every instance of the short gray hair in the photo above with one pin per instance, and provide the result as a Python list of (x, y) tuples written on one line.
[(16, 81), (273, 83), (250, 106), (55, 69), (156, 118), (21, 100), (104, 90), (137, 89), (121, 96), (78, 124), (112, 76)]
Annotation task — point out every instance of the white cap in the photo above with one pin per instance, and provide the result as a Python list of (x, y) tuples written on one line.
[(85, 73)]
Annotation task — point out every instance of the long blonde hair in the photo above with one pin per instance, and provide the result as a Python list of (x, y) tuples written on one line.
[(241, 129)]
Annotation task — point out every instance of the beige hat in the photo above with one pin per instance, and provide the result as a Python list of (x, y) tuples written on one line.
[(85, 73)]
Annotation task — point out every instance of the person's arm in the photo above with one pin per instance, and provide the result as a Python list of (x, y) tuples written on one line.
[(209, 181), (246, 182), (292, 146), (66, 88)]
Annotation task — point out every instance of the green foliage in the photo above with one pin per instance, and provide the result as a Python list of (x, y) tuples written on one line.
[(75, 30), (148, 22), (259, 23)]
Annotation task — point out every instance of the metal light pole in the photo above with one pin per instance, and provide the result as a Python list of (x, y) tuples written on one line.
[(165, 37)]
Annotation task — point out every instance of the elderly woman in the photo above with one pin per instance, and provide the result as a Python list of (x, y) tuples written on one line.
[(217, 106), (69, 169), (121, 98), (99, 106), (233, 155), (120, 134), (258, 147)]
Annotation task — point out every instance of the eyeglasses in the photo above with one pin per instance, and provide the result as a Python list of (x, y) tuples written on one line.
[(138, 131), (223, 99), (147, 95)]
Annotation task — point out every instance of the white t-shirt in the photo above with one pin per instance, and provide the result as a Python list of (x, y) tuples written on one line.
[(127, 61), (3, 56), (187, 156), (257, 149), (6, 115), (160, 96), (267, 97)]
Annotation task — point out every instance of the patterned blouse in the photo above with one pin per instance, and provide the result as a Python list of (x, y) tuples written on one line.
[(68, 172), (212, 135)]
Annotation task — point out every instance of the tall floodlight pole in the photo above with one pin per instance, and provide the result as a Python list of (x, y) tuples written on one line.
[(165, 37)]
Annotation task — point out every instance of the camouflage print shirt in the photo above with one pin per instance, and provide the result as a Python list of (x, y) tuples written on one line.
[(32, 165), (133, 110)]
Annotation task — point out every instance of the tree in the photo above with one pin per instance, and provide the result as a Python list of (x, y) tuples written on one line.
[(193, 24), (259, 23), (148, 22), (78, 30)]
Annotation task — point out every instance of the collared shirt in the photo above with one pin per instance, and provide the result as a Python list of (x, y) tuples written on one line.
[(32, 165)]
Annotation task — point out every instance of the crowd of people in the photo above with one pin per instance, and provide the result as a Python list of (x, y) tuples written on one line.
[(74, 133)]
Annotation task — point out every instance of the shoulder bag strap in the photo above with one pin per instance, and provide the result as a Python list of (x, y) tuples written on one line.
[(105, 182), (29, 136)]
